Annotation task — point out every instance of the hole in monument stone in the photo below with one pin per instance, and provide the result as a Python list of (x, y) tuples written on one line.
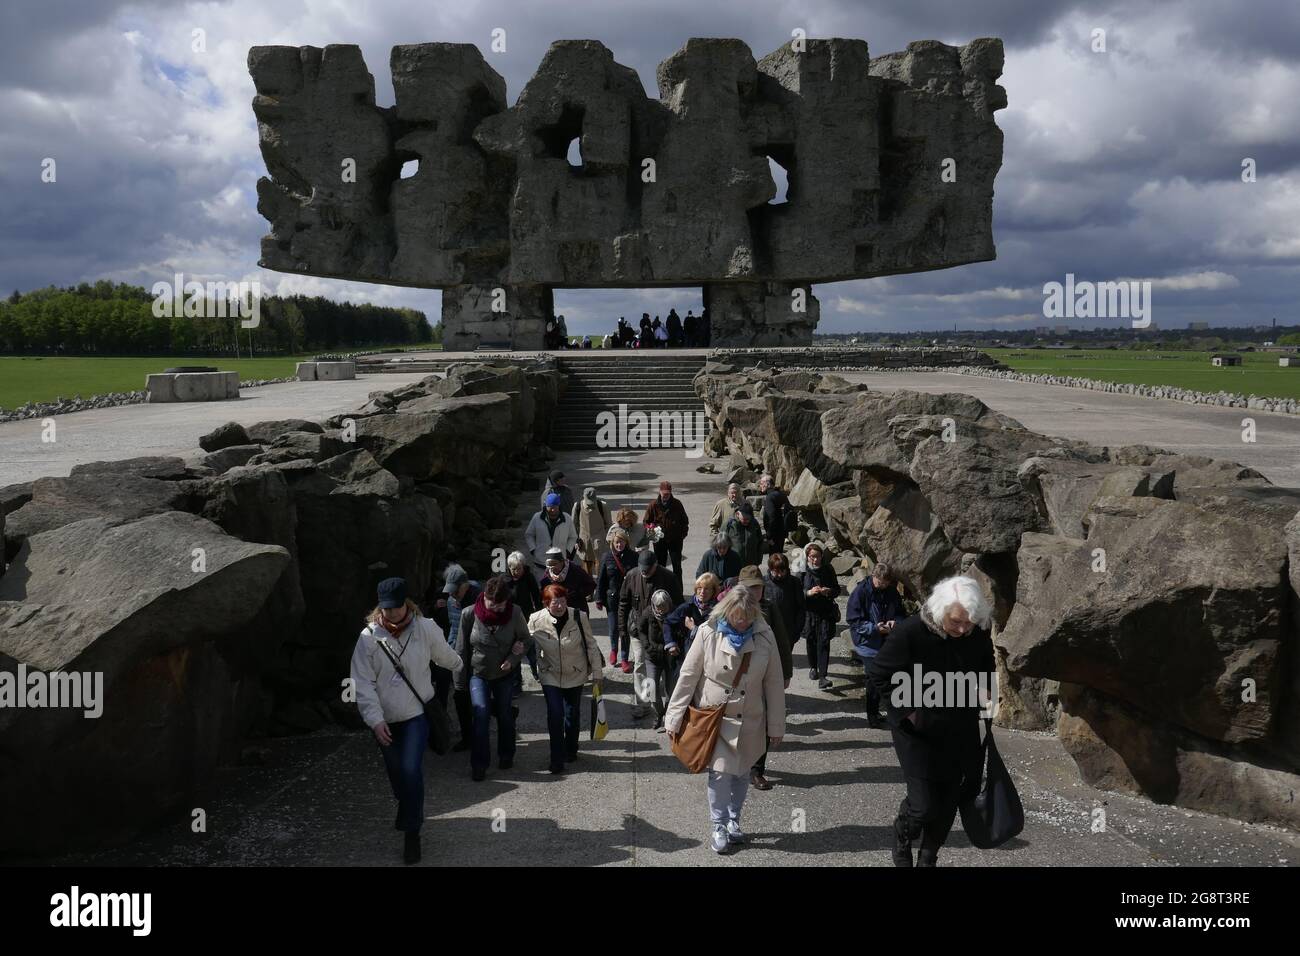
[(780, 163), (410, 168), (575, 152)]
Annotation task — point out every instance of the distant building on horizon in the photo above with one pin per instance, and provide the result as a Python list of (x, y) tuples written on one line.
[(1223, 360), (1198, 326)]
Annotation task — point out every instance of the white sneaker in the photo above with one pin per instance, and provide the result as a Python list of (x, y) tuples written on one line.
[(720, 842), (734, 833)]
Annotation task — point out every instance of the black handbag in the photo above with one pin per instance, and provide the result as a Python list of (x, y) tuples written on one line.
[(994, 814), (439, 725)]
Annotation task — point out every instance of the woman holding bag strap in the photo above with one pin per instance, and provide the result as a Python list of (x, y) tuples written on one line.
[(733, 663), (394, 710), (567, 657)]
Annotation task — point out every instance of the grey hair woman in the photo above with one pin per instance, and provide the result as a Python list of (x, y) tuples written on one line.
[(938, 746)]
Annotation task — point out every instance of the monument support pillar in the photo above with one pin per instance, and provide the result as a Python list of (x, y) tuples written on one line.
[(495, 316), (743, 314)]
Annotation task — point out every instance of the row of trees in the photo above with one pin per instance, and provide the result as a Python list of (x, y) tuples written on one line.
[(108, 318)]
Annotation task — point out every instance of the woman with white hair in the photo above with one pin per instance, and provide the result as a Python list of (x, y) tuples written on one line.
[(733, 663), (935, 723)]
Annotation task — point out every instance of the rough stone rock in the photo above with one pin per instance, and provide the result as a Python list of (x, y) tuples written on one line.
[(311, 446), (858, 436), (495, 204), (1118, 747), (464, 436), (905, 534), (1066, 489), (165, 468), (265, 433), (1190, 605), (783, 432), (230, 456), (972, 487), (60, 501), (72, 603), (478, 379), (844, 520), (224, 436)]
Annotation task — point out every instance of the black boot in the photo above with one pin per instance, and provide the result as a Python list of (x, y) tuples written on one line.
[(411, 852), (926, 857), (902, 851), (876, 722)]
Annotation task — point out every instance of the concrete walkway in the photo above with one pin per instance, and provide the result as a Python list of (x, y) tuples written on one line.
[(324, 800), (110, 434)]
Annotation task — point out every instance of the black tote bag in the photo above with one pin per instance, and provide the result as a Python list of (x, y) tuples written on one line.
[(993, 815)]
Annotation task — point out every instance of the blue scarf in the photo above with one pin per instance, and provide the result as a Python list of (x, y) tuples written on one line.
[(737, 638)]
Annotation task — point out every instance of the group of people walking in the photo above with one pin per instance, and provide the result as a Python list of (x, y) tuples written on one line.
[(726, 643)]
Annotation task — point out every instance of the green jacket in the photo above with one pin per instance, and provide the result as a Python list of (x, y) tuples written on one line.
[(746, 540)]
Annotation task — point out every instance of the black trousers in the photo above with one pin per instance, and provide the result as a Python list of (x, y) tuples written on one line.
[(928, 811), (665, 549), (442, 679)]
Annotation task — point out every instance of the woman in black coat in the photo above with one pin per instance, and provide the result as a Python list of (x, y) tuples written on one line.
[(936, 736), (820, 589)]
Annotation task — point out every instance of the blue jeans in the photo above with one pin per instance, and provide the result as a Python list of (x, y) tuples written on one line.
[(492, 698), (404, 761), (563, 722), (727, 793)]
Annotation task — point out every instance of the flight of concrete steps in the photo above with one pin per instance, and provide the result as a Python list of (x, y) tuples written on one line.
[(645, 382)]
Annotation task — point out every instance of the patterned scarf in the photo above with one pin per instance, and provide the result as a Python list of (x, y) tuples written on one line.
[(395, 629)]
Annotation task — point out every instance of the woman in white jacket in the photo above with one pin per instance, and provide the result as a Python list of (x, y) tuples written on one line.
[(567, 656), (397, 635), (734, 662)]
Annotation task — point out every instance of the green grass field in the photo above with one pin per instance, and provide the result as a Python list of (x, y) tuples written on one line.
[(36, 379), (1259, 373)]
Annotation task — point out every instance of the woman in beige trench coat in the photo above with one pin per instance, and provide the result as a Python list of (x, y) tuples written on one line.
[(754, 719)]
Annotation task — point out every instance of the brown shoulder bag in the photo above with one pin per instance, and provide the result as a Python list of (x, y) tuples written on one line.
[(700, 729)]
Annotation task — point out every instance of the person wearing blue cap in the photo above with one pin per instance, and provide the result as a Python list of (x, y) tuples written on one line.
[(390, 671), (550, 528)]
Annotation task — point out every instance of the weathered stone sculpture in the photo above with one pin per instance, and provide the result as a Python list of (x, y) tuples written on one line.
[(890, 166)]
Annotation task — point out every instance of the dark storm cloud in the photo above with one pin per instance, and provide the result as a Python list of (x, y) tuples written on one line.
[(1123, 164)]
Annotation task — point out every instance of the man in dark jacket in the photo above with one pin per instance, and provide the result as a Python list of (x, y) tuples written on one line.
[(720, 559), (648, 577), (555, 483), (875, 608), (668, 515), (458, 593), (784, 592), (938, 747), (775, 507), (745, 534)]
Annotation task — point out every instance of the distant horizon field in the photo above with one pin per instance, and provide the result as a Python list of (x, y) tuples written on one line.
[(1259, 374), (36, 378)]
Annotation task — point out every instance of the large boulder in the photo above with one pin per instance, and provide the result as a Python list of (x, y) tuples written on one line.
[(1119, 747), (56, 502), (1066, 488), (1171, 607), (857, 435), (263, 433), (126, 600), (905, 534), (467, 436), (225, 436), (783, 432)]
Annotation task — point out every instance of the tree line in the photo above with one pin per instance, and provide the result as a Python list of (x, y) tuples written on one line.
[(115, 318)]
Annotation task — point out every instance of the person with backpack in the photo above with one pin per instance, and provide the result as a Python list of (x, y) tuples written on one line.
[(568, 658), (391, 674), (493, 640), (875, 609), (820, 589), (734, 664), (614, 568), (592, 521)]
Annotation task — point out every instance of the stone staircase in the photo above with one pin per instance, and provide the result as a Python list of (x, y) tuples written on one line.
[(656, 385)]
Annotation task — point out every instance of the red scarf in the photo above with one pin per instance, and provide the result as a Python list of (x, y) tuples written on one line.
[(396, 628), (613, 553), (492, 618)]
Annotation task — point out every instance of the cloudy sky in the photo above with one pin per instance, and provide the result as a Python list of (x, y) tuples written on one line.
[(1123, 164)]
